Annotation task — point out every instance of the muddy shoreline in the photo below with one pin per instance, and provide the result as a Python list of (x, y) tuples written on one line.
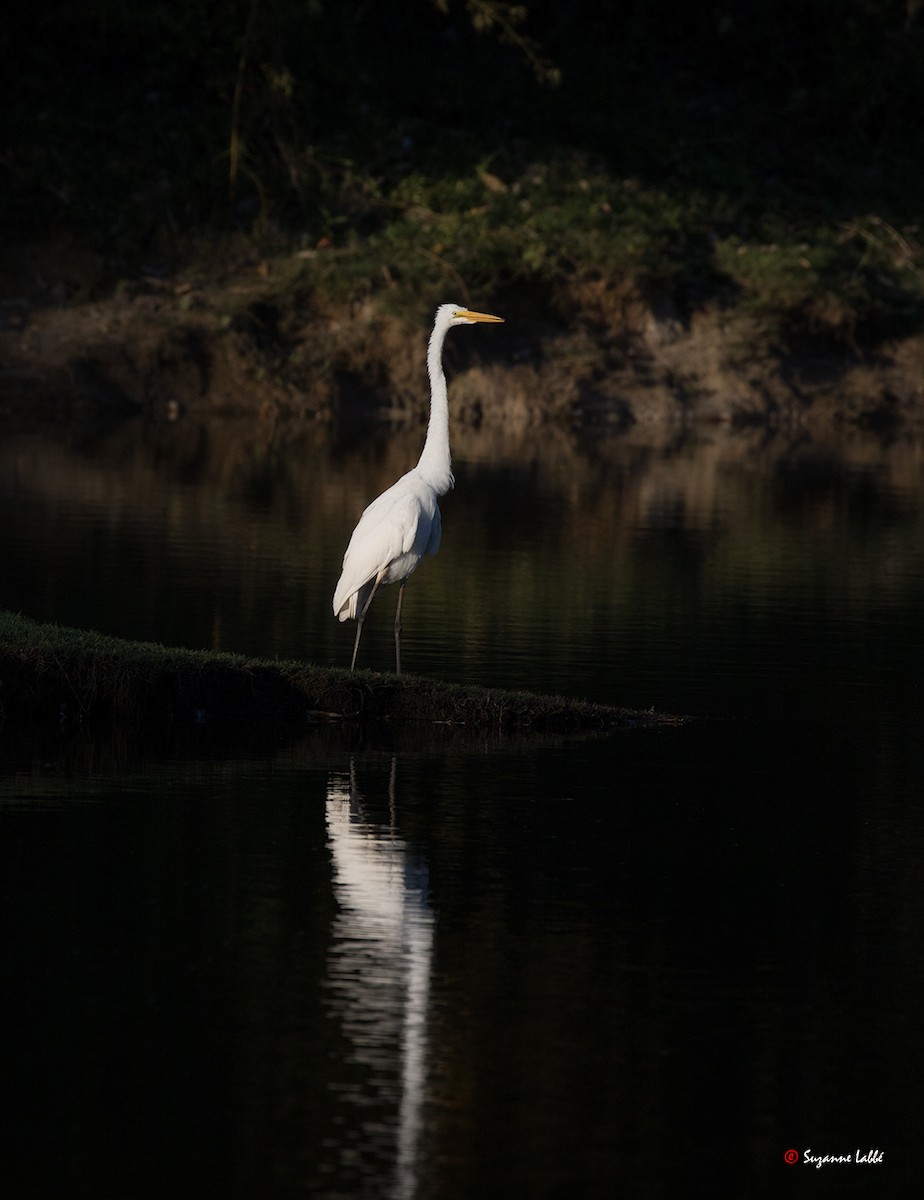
[(165, 347)]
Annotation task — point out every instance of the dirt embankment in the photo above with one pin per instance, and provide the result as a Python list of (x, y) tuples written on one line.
[(594, 353)]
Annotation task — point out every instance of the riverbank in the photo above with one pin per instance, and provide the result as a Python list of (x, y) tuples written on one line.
[(51, 677), (266, 338)]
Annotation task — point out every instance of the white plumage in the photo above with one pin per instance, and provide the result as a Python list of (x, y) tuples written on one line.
[(403, 524)]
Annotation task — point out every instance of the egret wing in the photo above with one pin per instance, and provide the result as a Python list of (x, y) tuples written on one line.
[(386, 532), (436, 532)]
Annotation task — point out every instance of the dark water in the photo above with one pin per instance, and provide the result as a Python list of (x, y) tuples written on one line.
[(420, 964)]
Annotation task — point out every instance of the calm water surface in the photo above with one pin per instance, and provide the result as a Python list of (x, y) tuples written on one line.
[(421, 964)]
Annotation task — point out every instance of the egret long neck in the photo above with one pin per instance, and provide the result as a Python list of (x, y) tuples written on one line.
[(435, 463)]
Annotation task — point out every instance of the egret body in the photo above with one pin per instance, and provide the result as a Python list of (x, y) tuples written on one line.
[(403, 524)]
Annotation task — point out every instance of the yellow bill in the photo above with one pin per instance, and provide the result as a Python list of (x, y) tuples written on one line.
[(468, 315)]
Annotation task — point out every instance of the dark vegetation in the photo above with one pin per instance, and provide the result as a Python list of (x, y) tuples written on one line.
[(52, 677), (758, 158)]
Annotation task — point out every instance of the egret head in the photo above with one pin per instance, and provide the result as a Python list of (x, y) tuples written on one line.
[(455, 314)]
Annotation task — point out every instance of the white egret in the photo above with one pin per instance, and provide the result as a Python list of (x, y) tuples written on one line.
[(403, 524)]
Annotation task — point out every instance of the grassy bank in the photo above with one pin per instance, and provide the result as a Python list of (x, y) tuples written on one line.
[(678, 209), (50, 675)]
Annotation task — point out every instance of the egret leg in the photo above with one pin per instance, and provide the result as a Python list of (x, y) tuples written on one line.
[(359, 630), (359, 622), (398, 630)]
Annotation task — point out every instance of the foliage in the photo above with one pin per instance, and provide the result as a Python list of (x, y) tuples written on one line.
[(488, 142)]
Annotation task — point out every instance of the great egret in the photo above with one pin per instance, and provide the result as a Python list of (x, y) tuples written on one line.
[(403, 524)]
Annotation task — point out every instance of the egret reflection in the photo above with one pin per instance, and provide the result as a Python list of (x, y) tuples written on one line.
[(379, 983)]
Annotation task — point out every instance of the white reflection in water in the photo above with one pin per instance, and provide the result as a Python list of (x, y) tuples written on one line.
[(379, 978)]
